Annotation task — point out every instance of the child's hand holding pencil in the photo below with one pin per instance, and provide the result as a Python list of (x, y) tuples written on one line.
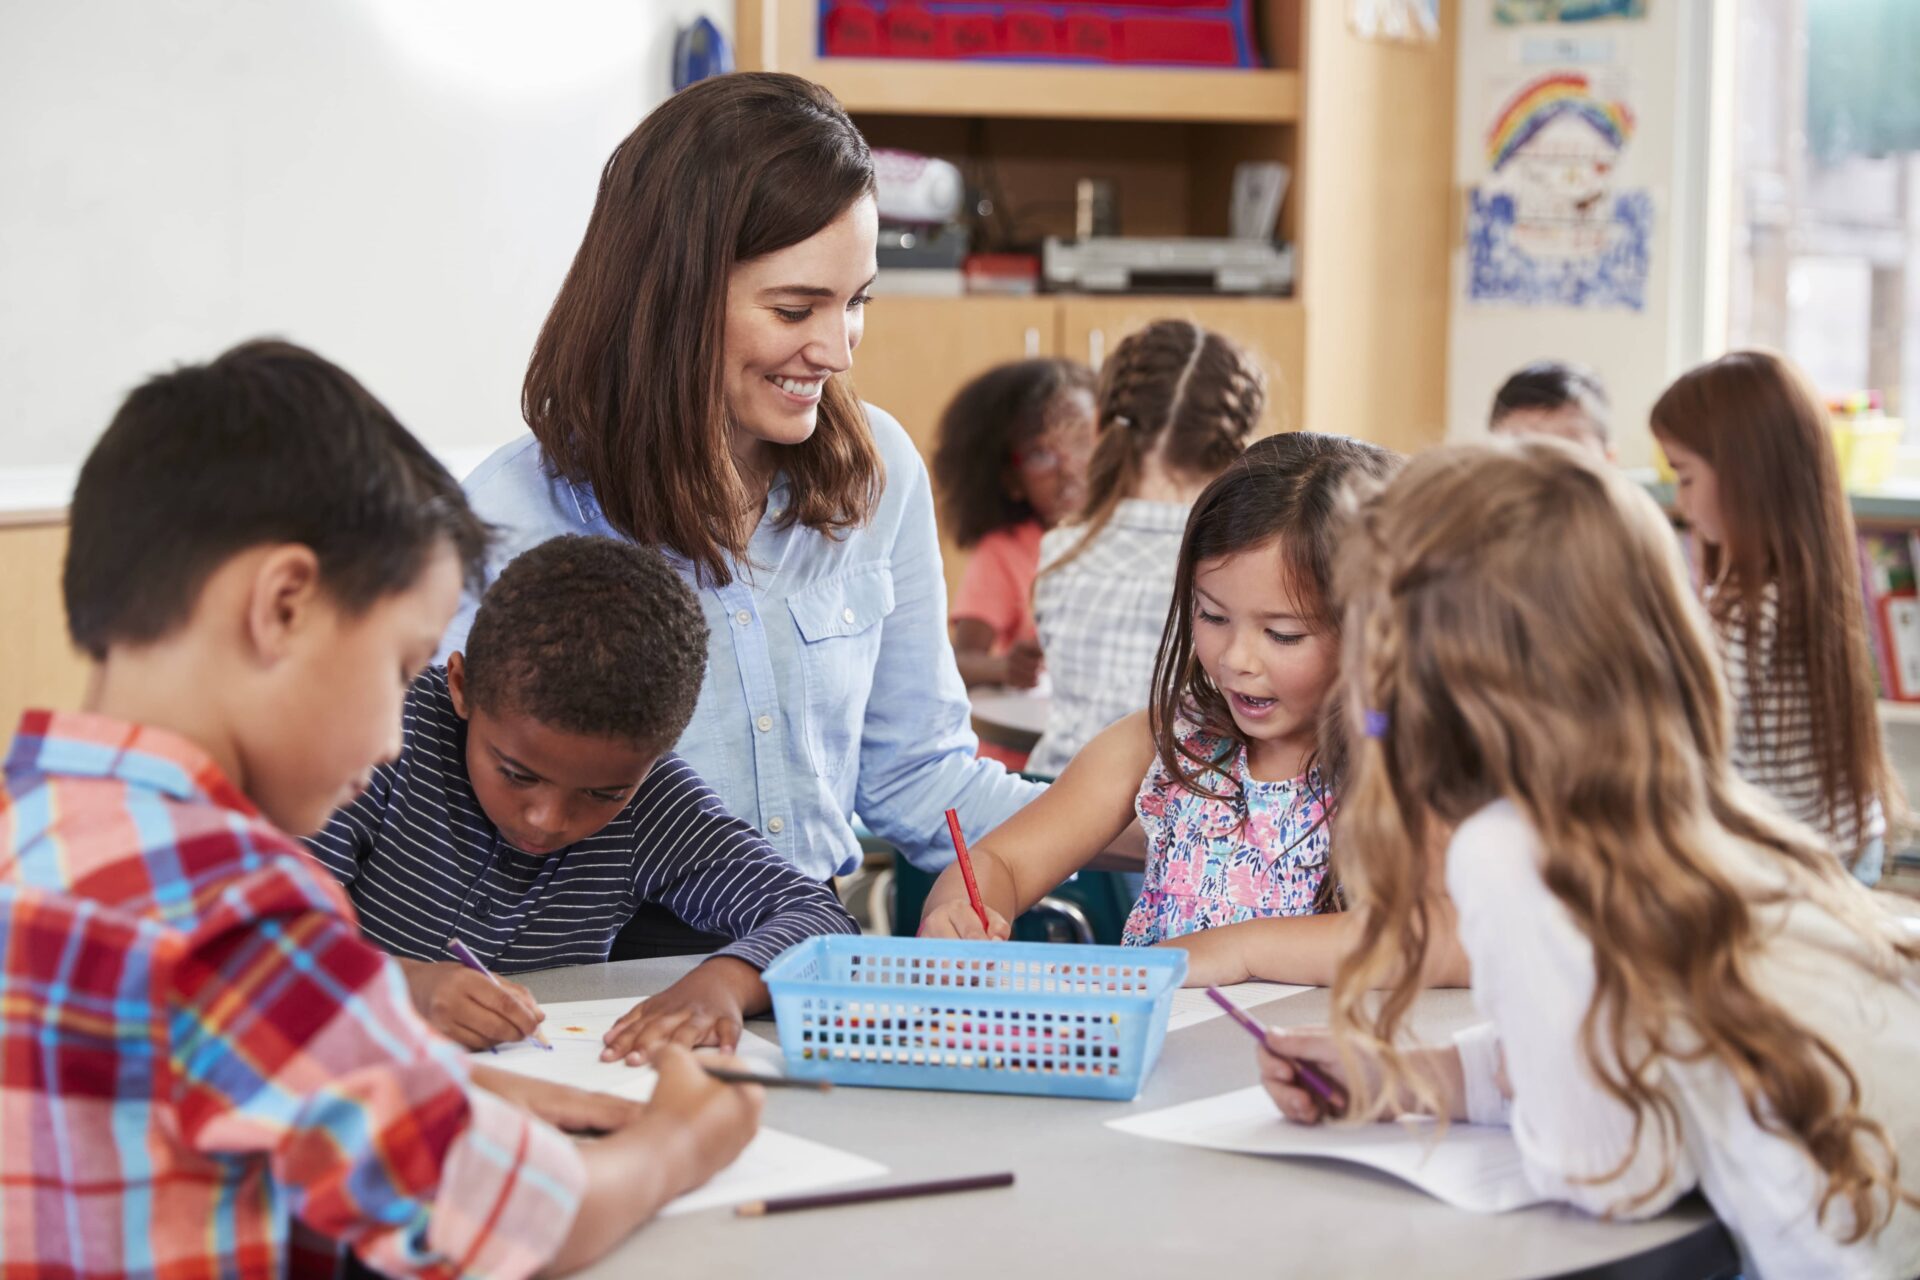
[(972, 920)]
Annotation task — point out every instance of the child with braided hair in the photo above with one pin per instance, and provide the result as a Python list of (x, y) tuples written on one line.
[(1682, 985), (1176, 404)]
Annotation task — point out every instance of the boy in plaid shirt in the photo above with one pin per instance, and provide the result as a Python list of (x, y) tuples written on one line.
[(197, 1047)]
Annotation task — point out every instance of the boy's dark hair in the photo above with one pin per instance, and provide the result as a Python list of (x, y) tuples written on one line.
[(268, 443), (592, 636), (1000, 411), (1553, 384)]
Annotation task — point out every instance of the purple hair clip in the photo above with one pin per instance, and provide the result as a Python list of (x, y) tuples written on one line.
[(1374, 723)]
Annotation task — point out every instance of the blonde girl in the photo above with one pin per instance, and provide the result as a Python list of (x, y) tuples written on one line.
[(1683, 988)]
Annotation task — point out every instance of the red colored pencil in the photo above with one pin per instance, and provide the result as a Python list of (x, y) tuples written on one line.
[(966, 871)]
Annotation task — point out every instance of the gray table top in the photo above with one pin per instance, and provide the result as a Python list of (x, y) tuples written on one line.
[(1091, 1201)]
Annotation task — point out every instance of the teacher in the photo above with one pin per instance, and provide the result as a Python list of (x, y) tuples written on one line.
[(690, 390)]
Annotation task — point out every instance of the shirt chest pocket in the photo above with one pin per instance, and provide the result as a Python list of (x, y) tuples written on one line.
[(838, 621)]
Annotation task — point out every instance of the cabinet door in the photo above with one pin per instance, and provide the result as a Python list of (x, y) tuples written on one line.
[(38, 664), (1271, 329), (918, 351)]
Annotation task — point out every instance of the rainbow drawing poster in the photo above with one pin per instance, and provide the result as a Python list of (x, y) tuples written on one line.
[(1551, 224)]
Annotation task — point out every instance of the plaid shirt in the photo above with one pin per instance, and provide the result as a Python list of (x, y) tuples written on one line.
[(197, 1047), (1100, 617)]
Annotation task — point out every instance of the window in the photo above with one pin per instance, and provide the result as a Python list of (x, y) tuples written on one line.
[(1825, 243)]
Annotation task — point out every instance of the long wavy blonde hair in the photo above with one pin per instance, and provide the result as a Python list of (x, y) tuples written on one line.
[(1519, 625)]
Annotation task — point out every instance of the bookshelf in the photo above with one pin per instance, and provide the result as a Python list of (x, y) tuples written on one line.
[(1365, 127)]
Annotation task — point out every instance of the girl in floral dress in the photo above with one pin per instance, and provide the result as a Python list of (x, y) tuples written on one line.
[(1229, 769)]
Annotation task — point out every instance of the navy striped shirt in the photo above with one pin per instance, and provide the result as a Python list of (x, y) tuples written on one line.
[(422, 863)]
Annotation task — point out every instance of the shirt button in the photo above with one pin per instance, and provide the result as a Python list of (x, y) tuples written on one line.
[(776, 826), (846, 615), (764, 724), (743, 618), (776, 513)]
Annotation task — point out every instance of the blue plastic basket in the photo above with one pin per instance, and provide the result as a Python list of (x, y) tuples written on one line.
[(988, 1017)]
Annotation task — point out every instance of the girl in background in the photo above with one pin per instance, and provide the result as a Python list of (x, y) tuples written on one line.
[(1010, 464), (1759, 484), (1177, 404)]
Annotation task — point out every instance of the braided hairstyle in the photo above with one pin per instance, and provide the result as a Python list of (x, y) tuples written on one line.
[(1582, 687), (1171, 390)]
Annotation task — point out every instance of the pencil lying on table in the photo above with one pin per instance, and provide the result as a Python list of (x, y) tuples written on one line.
[(867, 1195), (727, 1075)]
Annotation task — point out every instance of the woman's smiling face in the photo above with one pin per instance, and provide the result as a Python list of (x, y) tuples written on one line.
[(794, 317)]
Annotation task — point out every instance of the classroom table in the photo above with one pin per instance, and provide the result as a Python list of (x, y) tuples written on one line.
[(1092, 1202), (1012, 719)]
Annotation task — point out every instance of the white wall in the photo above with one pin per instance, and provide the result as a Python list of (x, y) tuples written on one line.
[(1669, 56), (399, 184)]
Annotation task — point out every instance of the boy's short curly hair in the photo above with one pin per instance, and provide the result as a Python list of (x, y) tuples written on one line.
[(591, 636)]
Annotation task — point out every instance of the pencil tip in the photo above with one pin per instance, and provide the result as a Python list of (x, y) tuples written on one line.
[(752, 1209)]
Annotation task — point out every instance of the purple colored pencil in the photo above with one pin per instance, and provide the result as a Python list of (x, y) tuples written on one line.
[(464, 954), (1316, 1084)]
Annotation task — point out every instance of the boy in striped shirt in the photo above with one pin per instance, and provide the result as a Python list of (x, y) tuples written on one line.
[(535, 806), (197, 1048)]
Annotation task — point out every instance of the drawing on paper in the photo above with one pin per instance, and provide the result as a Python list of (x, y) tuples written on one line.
[(1548, 227), (1516, 12)]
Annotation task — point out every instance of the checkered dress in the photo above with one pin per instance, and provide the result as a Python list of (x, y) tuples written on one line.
[(1100, 619)]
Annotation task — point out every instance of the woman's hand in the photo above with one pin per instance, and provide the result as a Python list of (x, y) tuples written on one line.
[(467, 1007), (956, 919), (708, 1007)]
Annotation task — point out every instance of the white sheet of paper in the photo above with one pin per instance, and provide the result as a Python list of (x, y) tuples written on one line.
[(774, 1163), (1191, 1005), (576, 1029), (1474, 1167)]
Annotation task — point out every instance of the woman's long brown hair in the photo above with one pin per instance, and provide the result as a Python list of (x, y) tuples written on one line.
[(626, 386), (1519, 626), (1284, 490), (1787, 521), (1173, 388)]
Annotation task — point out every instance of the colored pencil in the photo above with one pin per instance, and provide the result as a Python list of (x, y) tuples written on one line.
[(465, 956), (966, 871), (1314, 1083), (726, 1075), (867, 1195)]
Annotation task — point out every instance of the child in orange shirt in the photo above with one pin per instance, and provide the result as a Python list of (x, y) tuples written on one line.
[(1011, 463)]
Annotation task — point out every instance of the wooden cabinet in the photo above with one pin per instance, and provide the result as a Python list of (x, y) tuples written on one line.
[(918, 352), (38, 668)]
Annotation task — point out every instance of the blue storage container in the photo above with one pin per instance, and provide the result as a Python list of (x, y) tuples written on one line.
[(988, 1017)]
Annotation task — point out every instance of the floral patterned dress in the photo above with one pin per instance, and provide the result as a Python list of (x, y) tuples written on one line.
[(1260, 852)]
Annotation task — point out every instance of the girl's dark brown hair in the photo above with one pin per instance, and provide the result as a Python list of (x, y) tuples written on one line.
[(1286, 490), (626, 387), (1786, 521), (998, 412), (1171, 388)]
